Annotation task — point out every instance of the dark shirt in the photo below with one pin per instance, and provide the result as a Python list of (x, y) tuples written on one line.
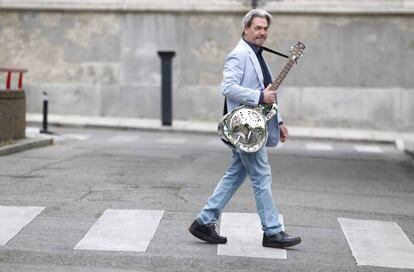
[(267, 78)]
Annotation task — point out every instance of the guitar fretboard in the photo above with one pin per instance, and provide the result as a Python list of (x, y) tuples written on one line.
[(276, 83)]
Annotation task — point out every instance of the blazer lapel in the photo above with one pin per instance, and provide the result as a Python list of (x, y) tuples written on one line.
[(254, 60), (270, 71)]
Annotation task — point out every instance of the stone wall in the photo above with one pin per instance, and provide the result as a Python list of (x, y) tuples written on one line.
[(100, 58)]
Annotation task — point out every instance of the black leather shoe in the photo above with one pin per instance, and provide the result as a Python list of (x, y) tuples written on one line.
[(206, 233), (280, 240)]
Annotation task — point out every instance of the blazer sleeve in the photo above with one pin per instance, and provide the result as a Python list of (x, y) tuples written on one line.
[(233, 73), (279, 117)]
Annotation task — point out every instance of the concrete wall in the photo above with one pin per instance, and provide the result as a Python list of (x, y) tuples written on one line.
[(12, 115), (100, 57)]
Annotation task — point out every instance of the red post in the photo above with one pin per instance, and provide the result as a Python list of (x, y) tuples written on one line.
[(8, 80), (20, 84), (9, 72)]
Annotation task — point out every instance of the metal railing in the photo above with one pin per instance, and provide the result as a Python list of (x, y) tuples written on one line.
[(9, 72)]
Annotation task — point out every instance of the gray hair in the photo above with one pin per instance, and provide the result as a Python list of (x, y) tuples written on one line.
[(248, 18)]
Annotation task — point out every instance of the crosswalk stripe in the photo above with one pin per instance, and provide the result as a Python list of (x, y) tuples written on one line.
[(215, 142), (244, 237), (280, 145), (124, 138), (81, 137), (13, 219), (32, 131), (319, 147), (368, 149), (122, 230), (169, 140), (399, 143), (378, 243)]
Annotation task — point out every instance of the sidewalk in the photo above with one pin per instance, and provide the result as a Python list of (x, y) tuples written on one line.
[(32, 140), (403, 141)]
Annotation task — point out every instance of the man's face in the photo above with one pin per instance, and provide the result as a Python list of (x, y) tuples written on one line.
[(257, 32)]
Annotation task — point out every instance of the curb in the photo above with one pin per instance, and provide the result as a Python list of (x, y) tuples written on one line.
[(25, 144), (122, 123)]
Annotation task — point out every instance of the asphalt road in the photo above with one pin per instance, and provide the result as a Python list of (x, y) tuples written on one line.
[(89, 171)]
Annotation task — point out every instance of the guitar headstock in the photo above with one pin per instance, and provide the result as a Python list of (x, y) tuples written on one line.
[(296, 51)]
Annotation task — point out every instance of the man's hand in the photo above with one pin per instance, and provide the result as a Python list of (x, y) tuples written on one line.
[(284, 133), (269, 95)]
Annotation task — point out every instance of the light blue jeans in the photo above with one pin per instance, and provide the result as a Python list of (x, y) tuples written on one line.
[(255, 165)]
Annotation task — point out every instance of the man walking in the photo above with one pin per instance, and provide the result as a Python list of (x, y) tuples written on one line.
[(247, 80)]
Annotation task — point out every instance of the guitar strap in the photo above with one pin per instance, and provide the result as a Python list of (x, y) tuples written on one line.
[(265, 49), (225, 107), (274, 52)]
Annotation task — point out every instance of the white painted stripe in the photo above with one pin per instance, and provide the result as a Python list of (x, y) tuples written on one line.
[(368, 149), (32, 131), (275, 149), (378, 243), (399, 143), (124, 138), (244, 237), (81, 137), (215, 142), (280, 145), (13, 219), (319, 147), (122, 230), (173, 140)]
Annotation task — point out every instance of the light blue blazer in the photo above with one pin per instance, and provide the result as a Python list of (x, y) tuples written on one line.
[(243, 82)]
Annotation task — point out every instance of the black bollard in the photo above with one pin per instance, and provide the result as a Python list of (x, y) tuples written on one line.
[(45, 110), (44, 124), (166, 87), (254, 4)]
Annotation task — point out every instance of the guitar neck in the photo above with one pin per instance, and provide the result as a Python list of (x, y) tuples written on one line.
[(276, 83)]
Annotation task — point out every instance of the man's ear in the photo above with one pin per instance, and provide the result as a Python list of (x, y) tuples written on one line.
[(244, 30)]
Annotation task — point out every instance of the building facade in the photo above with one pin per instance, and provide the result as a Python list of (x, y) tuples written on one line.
[(100, 57)]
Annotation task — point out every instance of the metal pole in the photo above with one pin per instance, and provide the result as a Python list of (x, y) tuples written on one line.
[(254, 4), (45, 104), (166, 89)]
